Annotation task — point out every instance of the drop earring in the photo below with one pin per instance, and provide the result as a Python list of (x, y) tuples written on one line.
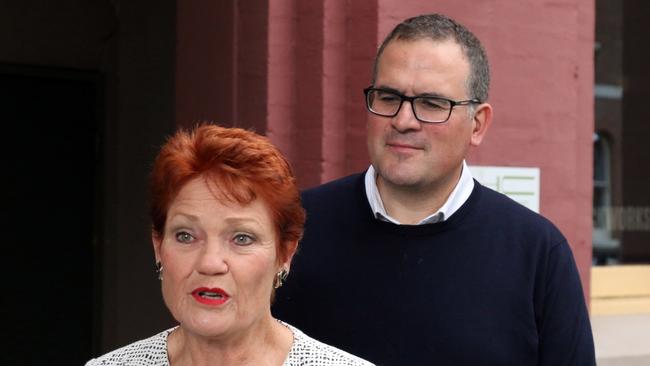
[(159, 270), (280, 278)]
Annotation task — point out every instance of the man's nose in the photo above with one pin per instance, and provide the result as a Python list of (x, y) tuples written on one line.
[(405, 119)]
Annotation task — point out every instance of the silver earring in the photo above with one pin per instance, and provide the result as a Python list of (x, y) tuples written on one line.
[(159, 270), (280, 278)]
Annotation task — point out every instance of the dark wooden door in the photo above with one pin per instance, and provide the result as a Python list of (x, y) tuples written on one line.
[(49, 142)]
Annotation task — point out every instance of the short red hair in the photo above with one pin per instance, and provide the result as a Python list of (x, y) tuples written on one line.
[(242, 164)]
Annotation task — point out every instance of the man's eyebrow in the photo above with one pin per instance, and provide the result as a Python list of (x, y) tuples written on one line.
[(433, 95), (388, 89), (428, 94)]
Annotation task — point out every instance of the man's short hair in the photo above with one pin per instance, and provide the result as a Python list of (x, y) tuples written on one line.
[(438, 27)]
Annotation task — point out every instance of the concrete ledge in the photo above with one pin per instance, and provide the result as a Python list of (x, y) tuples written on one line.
[(625, 361), (621, 289), (622, 339)]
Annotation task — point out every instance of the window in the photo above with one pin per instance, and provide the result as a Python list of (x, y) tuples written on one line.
[(606, 248)]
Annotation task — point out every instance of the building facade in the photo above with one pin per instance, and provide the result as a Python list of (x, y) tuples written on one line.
[(294, 70)]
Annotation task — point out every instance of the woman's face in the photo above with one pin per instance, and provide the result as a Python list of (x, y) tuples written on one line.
[(219, 262)]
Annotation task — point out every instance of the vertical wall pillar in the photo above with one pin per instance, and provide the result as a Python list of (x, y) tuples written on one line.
[(635, 217), (333, 90), (362, 41), (221, 63), (319, 61), (205, 61), (280, 86)]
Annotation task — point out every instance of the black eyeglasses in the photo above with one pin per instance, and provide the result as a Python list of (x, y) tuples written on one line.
[(387, 103)]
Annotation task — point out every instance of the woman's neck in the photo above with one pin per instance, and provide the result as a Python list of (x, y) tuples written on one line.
[(267, 343)]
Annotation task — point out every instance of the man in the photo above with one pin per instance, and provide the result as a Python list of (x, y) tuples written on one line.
[(414, 262)]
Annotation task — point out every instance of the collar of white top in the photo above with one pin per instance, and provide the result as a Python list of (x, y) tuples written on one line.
[(457, 198)]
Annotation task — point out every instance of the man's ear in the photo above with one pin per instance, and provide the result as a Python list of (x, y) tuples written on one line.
[(481, 122)]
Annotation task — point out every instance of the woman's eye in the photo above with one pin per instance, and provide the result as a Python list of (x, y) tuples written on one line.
[(184, 237), (243, 239)]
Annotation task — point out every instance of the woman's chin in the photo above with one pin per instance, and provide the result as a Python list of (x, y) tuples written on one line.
[(209, 326)]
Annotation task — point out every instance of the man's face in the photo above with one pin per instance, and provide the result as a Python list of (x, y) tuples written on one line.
[(408, 153)]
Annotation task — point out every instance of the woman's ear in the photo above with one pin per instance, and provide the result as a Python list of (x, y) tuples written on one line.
[(291, 250), (156, 240)]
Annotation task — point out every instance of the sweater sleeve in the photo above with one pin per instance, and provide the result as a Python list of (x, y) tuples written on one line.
[(565, 336)]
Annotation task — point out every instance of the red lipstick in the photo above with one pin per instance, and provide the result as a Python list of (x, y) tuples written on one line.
[(210, 296)]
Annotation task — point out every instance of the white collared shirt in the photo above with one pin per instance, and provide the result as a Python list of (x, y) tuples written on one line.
[(457, 198)]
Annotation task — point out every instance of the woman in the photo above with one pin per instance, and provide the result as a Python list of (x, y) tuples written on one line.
[(226, 222)]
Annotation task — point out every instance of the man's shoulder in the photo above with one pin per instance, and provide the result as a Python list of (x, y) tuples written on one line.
[(499, 203), (512, 213), (334, 191)]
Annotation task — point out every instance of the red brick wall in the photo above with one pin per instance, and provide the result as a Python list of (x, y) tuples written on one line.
[(310, 61), (542, 94)]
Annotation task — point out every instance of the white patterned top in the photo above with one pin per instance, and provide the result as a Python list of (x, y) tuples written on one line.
[(305, 351)]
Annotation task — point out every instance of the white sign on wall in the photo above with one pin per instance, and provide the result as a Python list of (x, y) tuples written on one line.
[(520, 184)]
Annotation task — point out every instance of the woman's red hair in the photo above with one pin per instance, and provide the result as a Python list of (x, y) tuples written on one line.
[(241, 164)]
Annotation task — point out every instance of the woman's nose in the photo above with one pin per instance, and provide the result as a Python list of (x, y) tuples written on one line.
[(212, 259)]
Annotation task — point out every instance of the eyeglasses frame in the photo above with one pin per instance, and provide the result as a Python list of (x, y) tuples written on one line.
[(403, 98)]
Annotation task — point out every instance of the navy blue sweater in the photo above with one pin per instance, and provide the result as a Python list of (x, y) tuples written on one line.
[(495, 284)]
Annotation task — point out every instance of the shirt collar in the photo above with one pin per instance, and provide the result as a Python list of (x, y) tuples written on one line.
[(456, 199)]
